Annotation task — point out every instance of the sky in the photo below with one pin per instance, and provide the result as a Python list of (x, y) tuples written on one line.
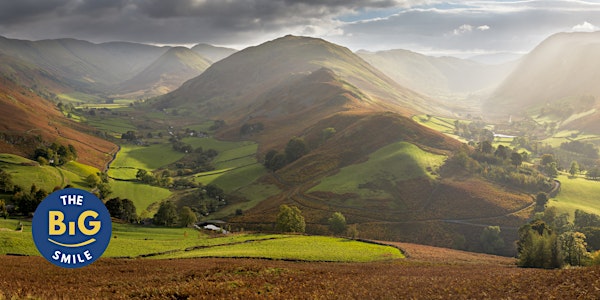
[(457, 28)]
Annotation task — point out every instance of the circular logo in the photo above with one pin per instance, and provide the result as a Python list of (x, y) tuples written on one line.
[(71, 228)]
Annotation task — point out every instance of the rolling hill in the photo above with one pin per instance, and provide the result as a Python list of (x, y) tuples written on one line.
[(239, 81), (86, 65), (30, 120), (167, 73), (378, 167), (213, 53), (558, 77), (446, 77)]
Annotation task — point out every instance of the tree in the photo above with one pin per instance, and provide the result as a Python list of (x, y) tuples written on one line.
[(3, 209), (114, 207), (327, 133), (93, 180), (501, 152), (290, 219), (516, 159), (573, 248), (129, 212), (6, 183), (541, 199), (491, 241), (551, 170), (537, 246), (574, 168), (187, 217), (166, 214), (547, 159), (295, 149), (486, 147), (337, 223)]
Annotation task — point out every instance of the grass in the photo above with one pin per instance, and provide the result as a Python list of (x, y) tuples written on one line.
[(577, 193), (77, 97), (297, 247), (395, 162), (255, 193), (132, 241), (145, 157), (112, 125), (142, 195), (25, 172)]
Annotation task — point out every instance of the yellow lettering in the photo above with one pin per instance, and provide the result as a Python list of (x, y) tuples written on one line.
[(56, 226), (95, 225)]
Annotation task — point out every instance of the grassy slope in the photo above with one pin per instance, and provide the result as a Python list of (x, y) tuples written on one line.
[(142, 195), (577, 193), (396, 162), (140, 157), (132, 241), (26, 172)]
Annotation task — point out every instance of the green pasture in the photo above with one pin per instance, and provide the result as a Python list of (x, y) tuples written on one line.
[(142, 195), (113, 125), (309, 248), (134, 240), (44, 177), (15, 159), (394, 162), (146, 157), (254, 193), (577, 193), (77, 97)]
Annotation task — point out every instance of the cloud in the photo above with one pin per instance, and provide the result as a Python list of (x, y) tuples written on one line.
[(585, 27), (518, 25), (464, 28)]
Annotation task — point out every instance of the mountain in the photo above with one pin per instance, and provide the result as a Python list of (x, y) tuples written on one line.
[(366, 159), (440, 77), (86, 65), (213, 53), (237, 83), (559, 75), (30, 120), (167, 73)]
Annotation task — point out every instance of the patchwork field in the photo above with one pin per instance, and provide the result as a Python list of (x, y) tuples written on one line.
[(577, 193)]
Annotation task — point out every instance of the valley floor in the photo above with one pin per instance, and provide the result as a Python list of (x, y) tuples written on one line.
[(428, 273)]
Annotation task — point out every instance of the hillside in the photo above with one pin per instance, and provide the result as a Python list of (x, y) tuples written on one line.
[(86, 65), (238, 81), (445, 77), (167, 73), (30, 120), (213, 53), (557, 78)]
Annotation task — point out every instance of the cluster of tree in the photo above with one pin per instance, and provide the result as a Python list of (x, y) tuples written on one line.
[(475, 131), (130, 136), (26, 202), (501, 164), (123, 209), (180, 146), (586, 149), (252, 128), (593, 173), (551, 241), (55, 154), (167, 215), (295, 148), (198, 160), (161, 178), (217, 124), (100, 184)]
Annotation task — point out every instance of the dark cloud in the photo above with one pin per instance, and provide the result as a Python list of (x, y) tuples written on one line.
[(488, 25)]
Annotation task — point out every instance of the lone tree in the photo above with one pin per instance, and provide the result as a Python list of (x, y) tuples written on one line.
[(337, 223), (166, 214), (491, 241), (540, 200), (295, 149), (290, 219), (187, 217), (574, 168)]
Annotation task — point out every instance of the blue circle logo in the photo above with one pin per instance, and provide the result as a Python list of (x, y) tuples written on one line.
[(71, 228)]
